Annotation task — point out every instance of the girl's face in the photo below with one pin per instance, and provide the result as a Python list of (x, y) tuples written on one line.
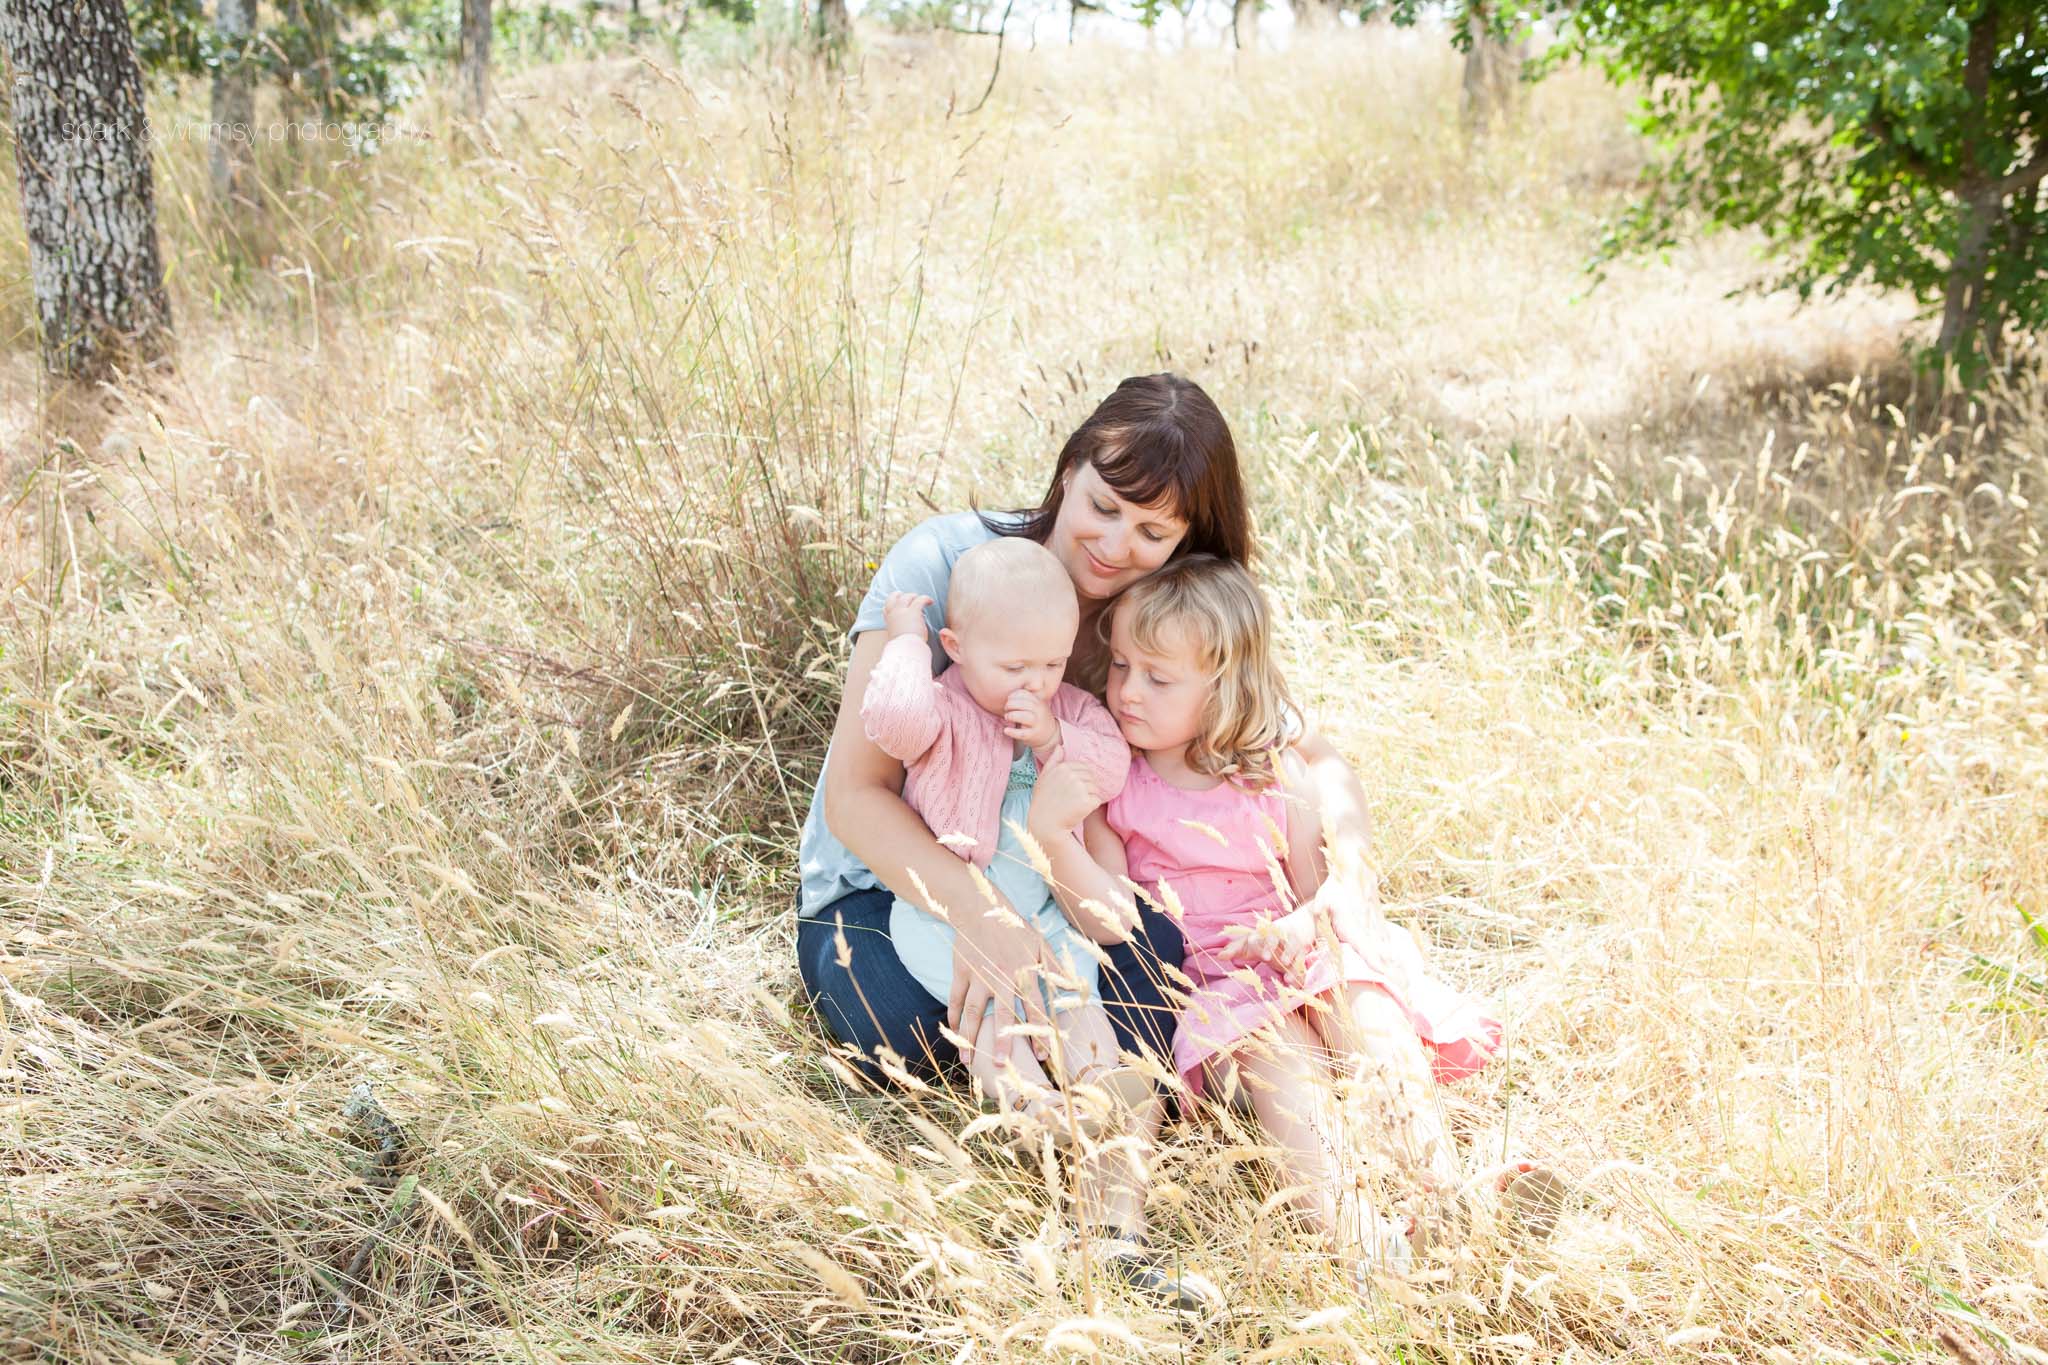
[(1157, 695), (1106, 541)]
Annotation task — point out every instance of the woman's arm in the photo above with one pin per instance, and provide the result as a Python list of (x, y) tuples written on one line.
[(1315, 848), (865, 810), (1339, 796)]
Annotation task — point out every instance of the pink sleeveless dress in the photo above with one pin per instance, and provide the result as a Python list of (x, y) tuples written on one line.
[(1219, 853)]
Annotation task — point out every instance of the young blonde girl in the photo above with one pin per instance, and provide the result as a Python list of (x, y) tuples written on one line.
[(1298, 984)]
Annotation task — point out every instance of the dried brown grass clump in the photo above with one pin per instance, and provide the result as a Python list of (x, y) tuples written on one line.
[(421, 686)]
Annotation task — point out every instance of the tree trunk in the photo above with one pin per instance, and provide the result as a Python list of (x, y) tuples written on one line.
[(1493, 71), (313, 81), (834, 28), (1244, 23), (234, 102), (476, 54), (1964, 314), (1980, 202), (87, 196), (1314, 14)]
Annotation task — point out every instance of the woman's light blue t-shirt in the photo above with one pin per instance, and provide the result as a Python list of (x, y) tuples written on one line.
[(921, 562)]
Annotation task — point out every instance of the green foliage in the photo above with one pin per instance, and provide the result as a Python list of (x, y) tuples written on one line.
[(345, 59), (1886, 142), (359, 60)]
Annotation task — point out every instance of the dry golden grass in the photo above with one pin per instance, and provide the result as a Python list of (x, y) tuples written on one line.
[(419, 687)]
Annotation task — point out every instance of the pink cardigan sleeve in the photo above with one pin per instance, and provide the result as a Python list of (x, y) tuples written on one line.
[(902, 710), (1089, 736)]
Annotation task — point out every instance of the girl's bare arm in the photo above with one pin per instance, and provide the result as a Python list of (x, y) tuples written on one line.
[(1087, 879)]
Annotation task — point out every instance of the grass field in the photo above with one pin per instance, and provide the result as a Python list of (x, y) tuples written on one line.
[(421, 685)]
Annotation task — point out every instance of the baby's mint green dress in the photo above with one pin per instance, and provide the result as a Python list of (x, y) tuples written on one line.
[(925, 942)]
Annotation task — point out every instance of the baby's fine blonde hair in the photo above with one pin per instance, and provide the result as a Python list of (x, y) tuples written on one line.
[(1003, 576), (1223, 616)]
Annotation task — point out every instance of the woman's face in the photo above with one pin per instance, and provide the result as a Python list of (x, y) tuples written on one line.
[(1106, 541)]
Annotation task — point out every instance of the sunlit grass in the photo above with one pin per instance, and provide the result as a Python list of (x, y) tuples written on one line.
[(421, 685)]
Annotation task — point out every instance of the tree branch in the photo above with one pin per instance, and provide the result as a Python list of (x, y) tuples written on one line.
[(2025, 177), (1002, 31)]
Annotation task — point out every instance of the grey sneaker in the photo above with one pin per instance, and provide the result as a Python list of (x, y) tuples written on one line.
[(1158, 1275)]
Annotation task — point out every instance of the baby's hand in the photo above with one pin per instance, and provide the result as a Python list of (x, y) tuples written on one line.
[(903, 614), (1027, 718), (1062, 798)]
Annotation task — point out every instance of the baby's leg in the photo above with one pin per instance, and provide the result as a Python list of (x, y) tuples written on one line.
[(1116, 1113), (1008, 1071), (1377, 1049)]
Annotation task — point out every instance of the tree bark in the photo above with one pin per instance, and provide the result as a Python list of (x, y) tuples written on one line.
[(313, 82), (476, 54), (834, 28), (1968, 310), (1314, 14), (1493, 71), (87, 196), (234, 102), (1244, 23)]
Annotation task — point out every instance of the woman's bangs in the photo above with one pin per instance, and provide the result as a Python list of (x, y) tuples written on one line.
[(1142, 473)]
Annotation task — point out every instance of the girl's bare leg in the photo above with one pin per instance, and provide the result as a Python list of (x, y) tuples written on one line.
[(1287, 1074), (1377, 1050)]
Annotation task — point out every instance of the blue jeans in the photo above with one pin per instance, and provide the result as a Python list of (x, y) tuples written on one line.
[(874, 1002)]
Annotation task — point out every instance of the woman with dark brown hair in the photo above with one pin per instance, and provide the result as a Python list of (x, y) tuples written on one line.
[(1151, 475)]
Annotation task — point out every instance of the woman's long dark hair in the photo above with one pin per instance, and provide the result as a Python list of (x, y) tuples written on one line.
[(1157, 438)]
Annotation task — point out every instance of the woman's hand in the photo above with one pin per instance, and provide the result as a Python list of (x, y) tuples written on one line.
[(997, 958), (1062, 798), (903, 614), (1284, 942), (1350, 898)]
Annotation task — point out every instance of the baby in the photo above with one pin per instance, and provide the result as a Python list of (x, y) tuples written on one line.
[(973, 741)]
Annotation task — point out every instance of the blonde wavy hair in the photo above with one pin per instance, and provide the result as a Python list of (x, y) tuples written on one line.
[(1219, 610)]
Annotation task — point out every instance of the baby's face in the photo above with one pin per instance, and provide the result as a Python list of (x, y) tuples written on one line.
[(1011, 647)]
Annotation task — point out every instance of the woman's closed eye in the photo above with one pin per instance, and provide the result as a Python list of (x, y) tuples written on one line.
[(1151, 533)]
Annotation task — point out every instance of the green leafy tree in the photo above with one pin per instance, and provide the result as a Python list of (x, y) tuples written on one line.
[(1884, 141), (341, 60)]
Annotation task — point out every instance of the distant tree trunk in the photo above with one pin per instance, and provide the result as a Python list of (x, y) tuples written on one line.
[(1964, 310), (1314, 14), (234, 101), (476, 53), (87, 198), (834, 28), (1244, 23), (1493, 71), (1973, 315), (313, 80)]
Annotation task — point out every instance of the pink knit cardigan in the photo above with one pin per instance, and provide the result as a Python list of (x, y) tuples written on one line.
[(957, 754)]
